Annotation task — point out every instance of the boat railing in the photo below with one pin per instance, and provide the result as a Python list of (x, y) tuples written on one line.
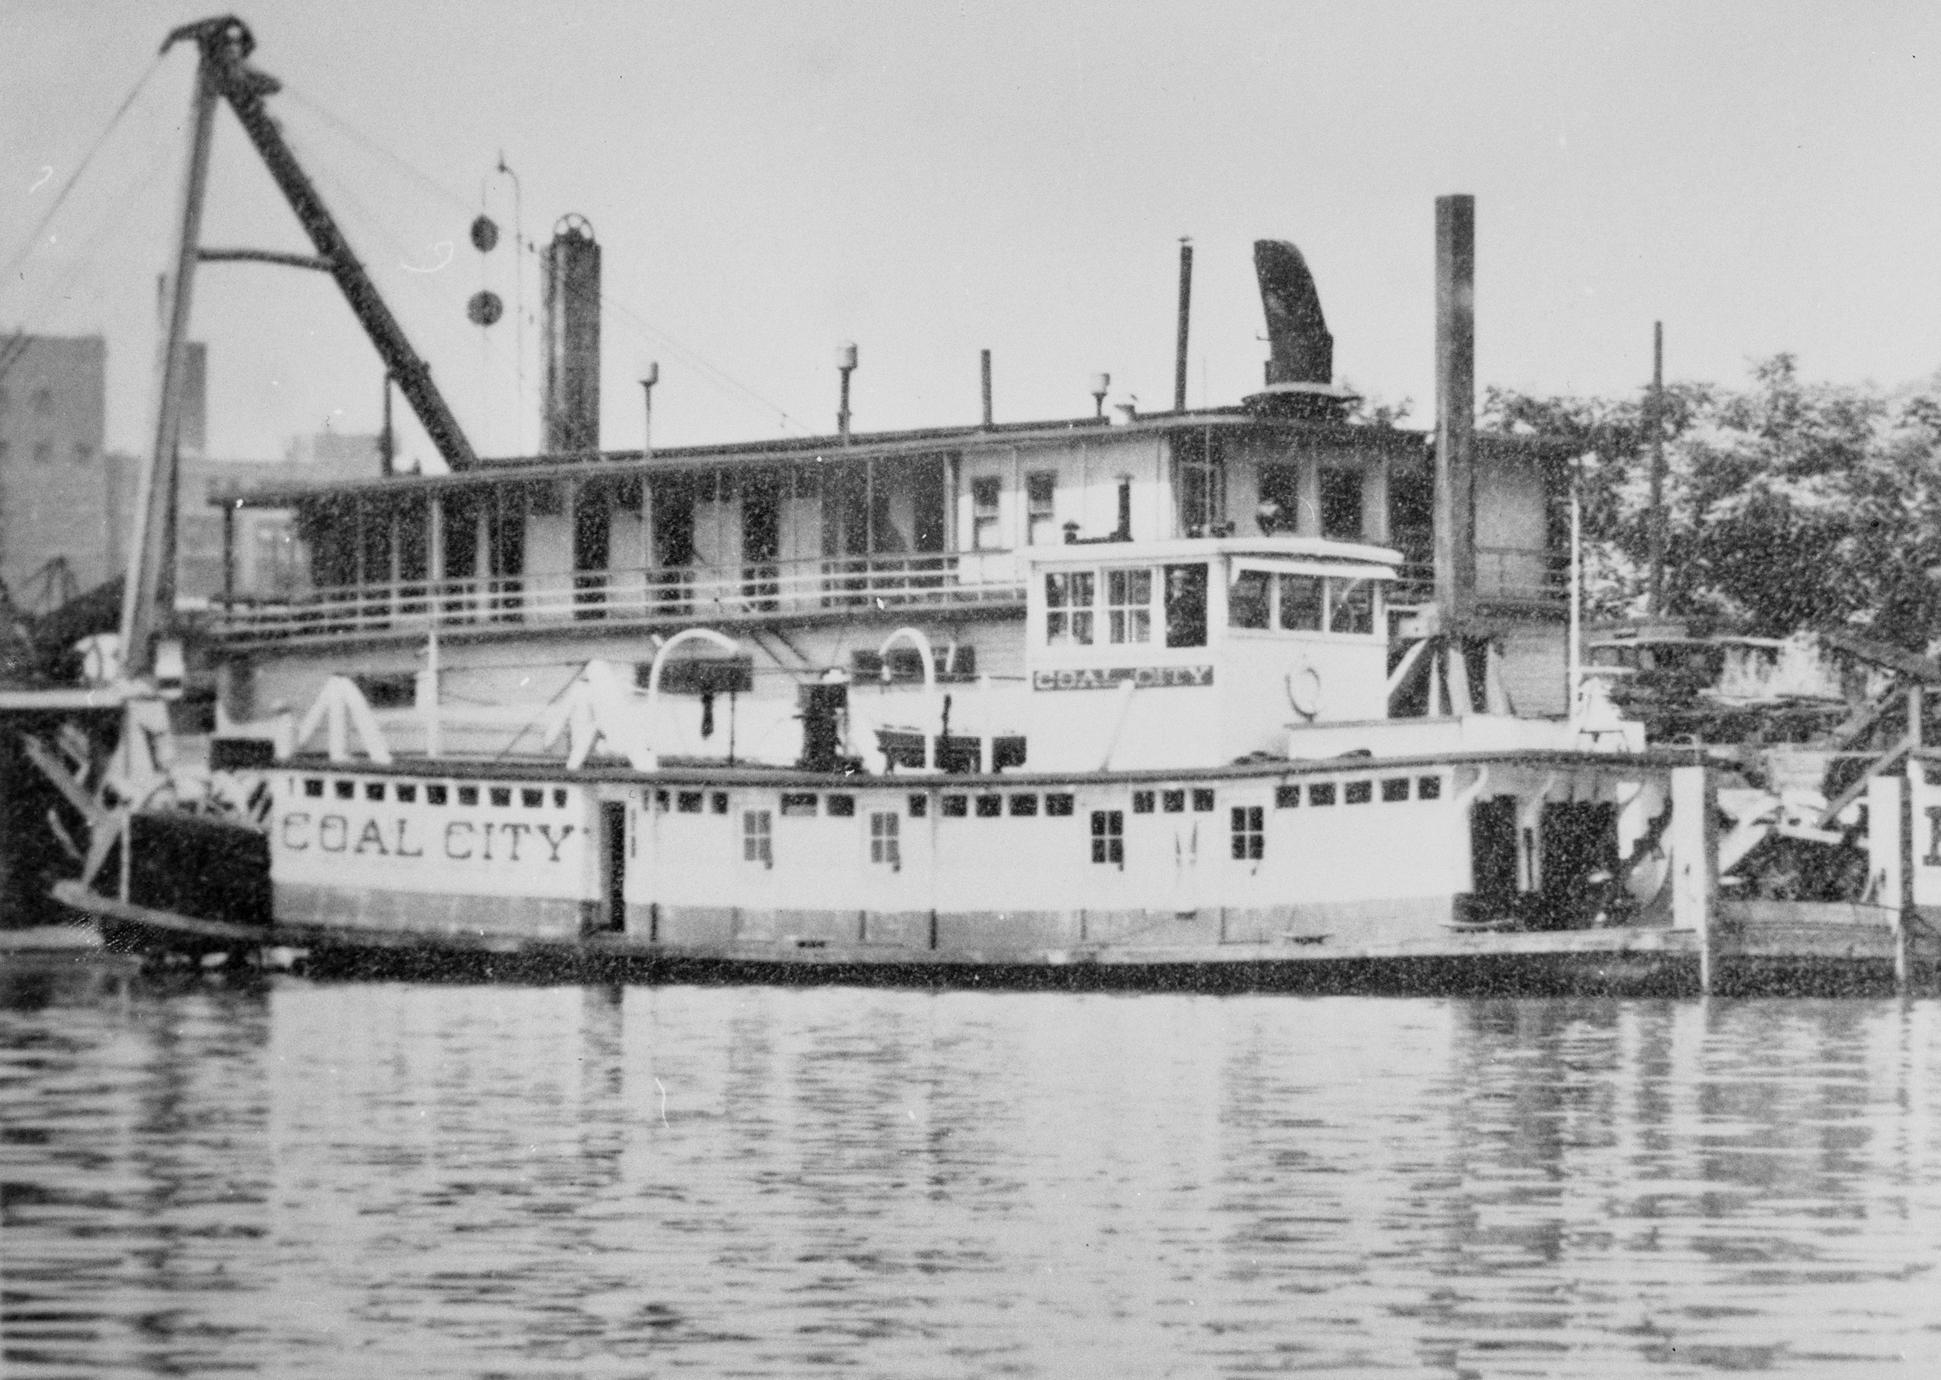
[(1504, 574), (662, 594)]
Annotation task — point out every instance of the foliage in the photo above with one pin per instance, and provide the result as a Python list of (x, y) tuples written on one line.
[(1788, 504)]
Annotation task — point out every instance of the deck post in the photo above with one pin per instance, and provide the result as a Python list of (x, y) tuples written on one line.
[(1694, 861), (1904, 911)]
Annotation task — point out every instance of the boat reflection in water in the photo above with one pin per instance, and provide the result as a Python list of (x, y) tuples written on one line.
[(303, 1179)]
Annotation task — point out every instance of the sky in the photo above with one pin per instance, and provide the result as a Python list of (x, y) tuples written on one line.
[(928, 180)]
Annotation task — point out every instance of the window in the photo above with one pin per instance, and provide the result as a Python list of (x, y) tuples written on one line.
[(346, 789), (1301, 602), (718, 802), (955, 806), (1040, 508), (1202, 800), (1249, 833), (842, 806), (502, 796), (1068, 608), (1287, 797), (757, 837), (1358, 792), (374, 790), (437, 794), (1024, 804), (407, 793), (663, 802), (1142, 802), (1340, 503), (919, 806), (1174, 801), (1247, 600), (1109, 837), (689, 803), (1428, 788), (883, 840), (1186, 605), (1059, 804), (985, 535), (990, 806), (559, 800), (1321, 793), (796, 803), (1128, 606), (531, 797), (313, 787), (468, 795), (1352, 606), (1395, 788)]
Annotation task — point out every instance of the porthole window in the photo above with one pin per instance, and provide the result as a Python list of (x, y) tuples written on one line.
[(312, 786), (955, 806), (689, 802), (1358, 792), (374, 790), (919, 806), (468, 795), (407, 793), (501, 796), (1174, 801), (1142, 802), (990, 806), (1024, 805), (842, 806), (1287, 797), (532, 797), (1428, 788), (1202, 800), (718, 802), (1060, 804), (437, 793), (1321, 793), (346, 790), (1394, 788)]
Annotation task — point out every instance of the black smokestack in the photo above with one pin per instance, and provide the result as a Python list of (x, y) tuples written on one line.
[(1302, 351), (572, 302)]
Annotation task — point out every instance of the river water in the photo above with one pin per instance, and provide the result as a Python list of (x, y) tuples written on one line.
[(303, 1179)]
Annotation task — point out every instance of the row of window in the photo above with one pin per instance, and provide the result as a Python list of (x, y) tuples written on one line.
[(1040, 490), (437, 793), (1130, 606), (1301, 603), (1247, 824)]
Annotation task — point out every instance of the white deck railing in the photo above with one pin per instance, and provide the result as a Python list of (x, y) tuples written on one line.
[(772, 589)]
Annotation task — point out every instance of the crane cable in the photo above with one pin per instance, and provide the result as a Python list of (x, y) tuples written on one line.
[(16, 345)]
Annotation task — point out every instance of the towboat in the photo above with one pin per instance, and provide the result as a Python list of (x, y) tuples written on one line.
[(1263, 694)]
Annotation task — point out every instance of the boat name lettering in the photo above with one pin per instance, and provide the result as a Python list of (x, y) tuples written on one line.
[(1107, 677), (395, 837)]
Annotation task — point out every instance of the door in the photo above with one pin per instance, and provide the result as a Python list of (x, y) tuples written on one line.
[(1493, 856), (613, 866)]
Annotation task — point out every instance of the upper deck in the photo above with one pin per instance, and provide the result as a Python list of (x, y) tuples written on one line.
[(906, 527)]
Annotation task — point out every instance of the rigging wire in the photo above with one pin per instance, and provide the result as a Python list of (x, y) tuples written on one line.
[(716, 375), (16, 345)]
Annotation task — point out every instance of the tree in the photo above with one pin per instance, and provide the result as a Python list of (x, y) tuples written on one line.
[(1789, 504)]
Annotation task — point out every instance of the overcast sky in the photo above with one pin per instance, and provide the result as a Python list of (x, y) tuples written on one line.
[(929, 180)]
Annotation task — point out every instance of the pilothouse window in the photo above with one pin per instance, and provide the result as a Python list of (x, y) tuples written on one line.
[(1068, 608)]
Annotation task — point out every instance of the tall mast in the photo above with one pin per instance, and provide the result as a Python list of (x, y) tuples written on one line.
[(149, 588)]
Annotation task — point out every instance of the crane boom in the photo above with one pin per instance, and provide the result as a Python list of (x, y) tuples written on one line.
[(224, 43)]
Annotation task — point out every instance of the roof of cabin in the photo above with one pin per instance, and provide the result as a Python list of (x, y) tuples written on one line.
[(812, 450)]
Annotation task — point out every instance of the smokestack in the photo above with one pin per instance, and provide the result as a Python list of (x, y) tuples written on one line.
[(986, 369), (1300, 348), (1455, 495), (570, 421), (1185, 315)]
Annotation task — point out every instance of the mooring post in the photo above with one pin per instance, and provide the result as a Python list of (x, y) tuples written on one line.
[(1904, 913), (1694, 861)]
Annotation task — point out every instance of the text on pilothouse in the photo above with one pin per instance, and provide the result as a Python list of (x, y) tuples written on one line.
[(1107, 677), (463, 840)]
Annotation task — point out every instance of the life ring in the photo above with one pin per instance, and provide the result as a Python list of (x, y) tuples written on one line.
[(1304, 692)]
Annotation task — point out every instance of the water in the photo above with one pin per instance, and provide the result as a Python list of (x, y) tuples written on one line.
[(306, 1179)]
